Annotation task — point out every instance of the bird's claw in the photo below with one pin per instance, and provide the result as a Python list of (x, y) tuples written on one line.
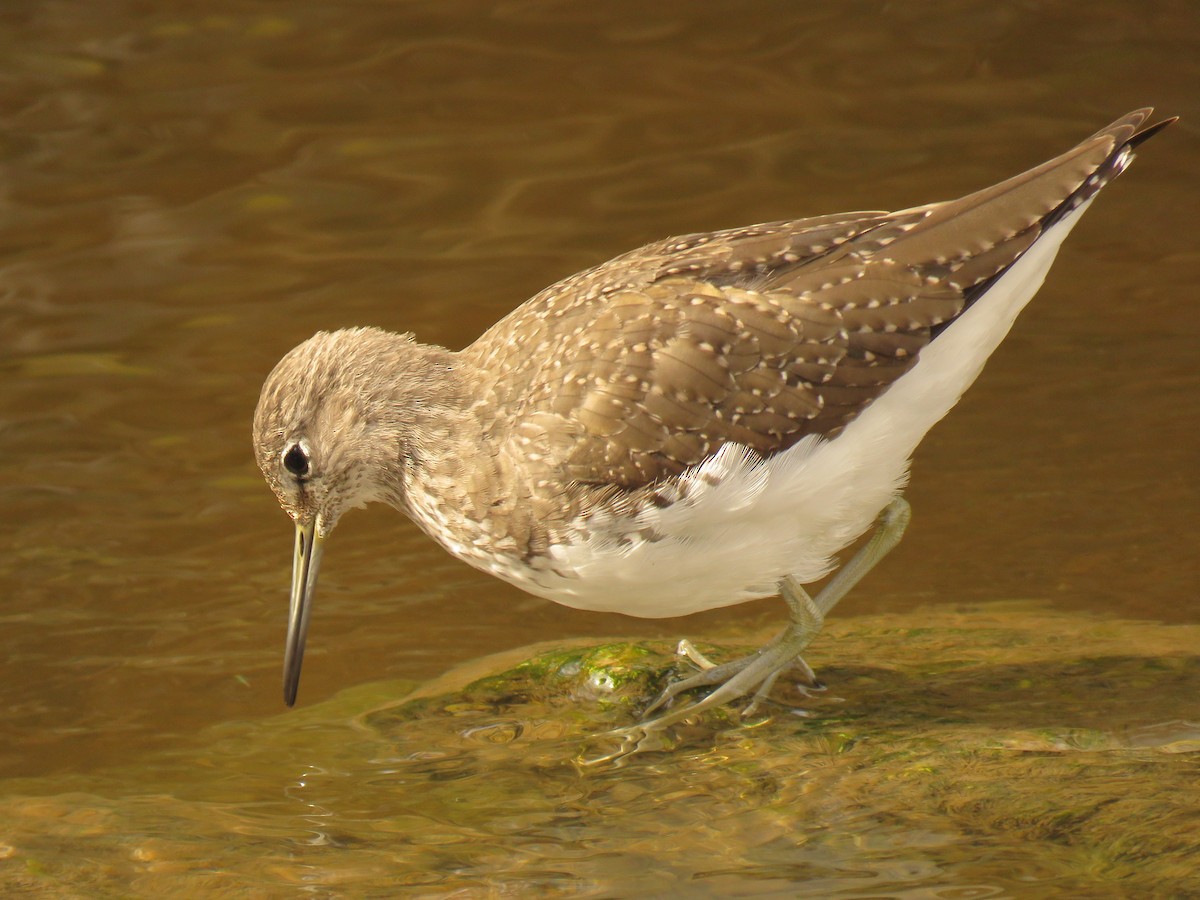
[(687, 649)]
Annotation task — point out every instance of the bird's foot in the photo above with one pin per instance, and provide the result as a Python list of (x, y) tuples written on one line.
[(759, 671), (712, 673), (755, 673)]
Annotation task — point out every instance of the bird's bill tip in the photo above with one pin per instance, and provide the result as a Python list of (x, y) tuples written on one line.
[(306, 564)]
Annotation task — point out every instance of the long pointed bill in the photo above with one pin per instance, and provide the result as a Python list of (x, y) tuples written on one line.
[(305, 565)]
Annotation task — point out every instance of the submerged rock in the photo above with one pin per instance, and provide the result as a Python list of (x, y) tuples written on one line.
[(996, 748)]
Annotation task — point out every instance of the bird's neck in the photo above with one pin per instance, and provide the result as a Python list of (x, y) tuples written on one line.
[(426, 440), (455, 480)]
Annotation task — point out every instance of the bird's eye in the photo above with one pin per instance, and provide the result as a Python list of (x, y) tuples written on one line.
[(295, 460)]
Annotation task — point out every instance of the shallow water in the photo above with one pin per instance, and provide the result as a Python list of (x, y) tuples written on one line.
[(940, 773), (188, 193)]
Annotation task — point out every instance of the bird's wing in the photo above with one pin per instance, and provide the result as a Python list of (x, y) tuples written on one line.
[(638, 368)]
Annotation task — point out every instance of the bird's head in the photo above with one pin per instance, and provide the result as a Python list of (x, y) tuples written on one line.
[(333, 430)]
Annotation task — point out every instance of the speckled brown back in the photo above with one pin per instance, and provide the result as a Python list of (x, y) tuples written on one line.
[(631, 371)]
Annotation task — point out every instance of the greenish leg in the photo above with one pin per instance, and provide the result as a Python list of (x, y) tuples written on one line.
[(759, 671), (892, 523)]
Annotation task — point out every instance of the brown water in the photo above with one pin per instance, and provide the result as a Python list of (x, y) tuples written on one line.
[(188, 191)]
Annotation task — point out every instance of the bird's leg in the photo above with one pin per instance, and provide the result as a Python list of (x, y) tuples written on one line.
[(806, 621), (759, 670), (780, 652), (892, 523), (688, 649), (808, 615)]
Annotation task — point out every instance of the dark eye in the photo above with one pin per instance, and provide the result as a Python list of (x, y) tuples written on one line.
[(295, 460)]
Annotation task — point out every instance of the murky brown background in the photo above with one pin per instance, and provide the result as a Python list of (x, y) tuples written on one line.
[(190, 190)]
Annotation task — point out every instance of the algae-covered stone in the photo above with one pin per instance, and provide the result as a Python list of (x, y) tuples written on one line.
[(1005, 748)]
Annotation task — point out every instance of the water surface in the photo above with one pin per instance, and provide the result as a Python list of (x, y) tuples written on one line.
[(187, 193)]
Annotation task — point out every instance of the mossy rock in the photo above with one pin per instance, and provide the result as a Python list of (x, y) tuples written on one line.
[(1000, 751)]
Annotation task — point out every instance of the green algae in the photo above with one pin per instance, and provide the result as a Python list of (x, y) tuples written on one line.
[(984, 751)]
